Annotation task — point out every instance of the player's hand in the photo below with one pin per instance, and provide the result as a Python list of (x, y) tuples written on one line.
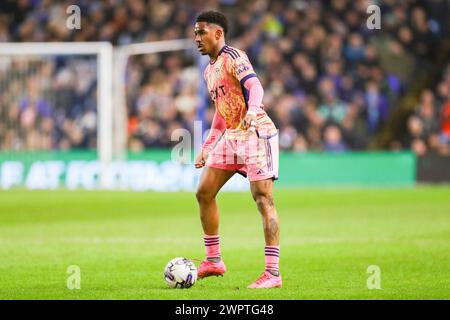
[(249, 121), (200, 160)]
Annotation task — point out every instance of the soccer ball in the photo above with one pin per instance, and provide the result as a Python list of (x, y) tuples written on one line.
[(180, 273)]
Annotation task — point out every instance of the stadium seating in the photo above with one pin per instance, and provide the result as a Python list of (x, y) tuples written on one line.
[(331, 84)]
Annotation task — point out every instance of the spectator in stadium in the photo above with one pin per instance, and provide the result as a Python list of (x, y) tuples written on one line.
[(415, 140), (331, 109), (333, 141), (425, 111), (376, 106)]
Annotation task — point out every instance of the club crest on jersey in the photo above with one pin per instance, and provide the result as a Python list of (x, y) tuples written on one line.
[(217, 73)]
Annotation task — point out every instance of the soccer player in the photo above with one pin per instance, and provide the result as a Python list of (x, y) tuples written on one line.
[(242, 139)]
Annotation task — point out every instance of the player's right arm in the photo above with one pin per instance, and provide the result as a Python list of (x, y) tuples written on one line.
[(218, 126)]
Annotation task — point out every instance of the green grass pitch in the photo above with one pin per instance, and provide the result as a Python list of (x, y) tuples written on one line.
[(122, 240)]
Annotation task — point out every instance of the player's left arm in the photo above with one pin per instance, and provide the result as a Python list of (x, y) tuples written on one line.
[(256, 93), (253, 90)]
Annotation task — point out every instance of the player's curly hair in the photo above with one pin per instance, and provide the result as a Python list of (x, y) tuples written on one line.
[(214, 17)]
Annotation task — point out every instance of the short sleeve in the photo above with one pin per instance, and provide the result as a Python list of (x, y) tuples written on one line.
[(242, 69)]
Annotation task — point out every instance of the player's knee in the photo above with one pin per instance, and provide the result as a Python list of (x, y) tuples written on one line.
[(203, 195), (264, 201)]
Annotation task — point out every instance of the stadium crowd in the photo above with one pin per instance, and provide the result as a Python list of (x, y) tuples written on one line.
[(330, 82), (428, 128)]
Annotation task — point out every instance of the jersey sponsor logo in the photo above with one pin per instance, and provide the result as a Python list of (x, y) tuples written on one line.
[(217, 92), (242, 68)]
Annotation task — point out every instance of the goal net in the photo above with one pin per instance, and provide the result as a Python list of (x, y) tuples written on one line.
[(54, 97)]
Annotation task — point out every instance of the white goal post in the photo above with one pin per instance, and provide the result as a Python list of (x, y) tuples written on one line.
[(111, 86), (121, 56), (104, 53)]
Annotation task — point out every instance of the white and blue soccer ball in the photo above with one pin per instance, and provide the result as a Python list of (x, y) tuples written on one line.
[(180, 273)]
